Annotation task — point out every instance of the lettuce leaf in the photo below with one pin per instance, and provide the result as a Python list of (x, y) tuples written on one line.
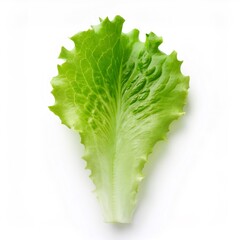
[(120, 95)]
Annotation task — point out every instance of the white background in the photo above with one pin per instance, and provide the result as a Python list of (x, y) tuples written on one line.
[(192, 189)]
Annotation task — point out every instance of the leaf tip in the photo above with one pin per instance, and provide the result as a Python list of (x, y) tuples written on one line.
[(64, 53), (119, 19), (153, 42), (134, 35)]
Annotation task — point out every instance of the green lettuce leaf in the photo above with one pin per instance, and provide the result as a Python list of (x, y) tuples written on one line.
[(120, 95)]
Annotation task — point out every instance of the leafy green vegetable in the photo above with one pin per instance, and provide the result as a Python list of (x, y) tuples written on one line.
[(120, 95)]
